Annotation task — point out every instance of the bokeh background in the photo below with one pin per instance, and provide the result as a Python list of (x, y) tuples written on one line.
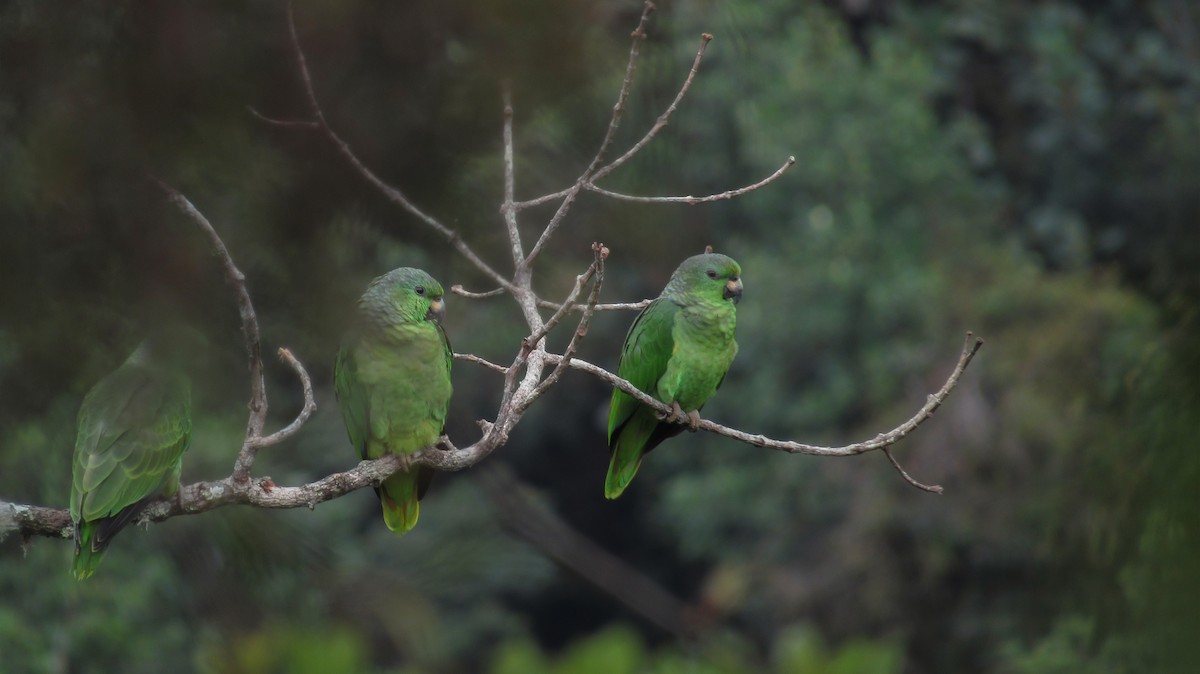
[(1027, 170)]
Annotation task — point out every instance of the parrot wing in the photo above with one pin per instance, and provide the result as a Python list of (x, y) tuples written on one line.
[(644, 357), (133, 429), (353, 399)]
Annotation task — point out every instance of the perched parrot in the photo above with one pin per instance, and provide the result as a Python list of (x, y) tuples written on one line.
[(678, 351), (392, 378), (134, 426)]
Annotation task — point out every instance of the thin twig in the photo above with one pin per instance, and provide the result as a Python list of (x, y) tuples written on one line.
[(569, 196), (664, 118), (507, 209), (615, 306), (391, 193), (565, 308), (472, 358), (463, 292), (286, 123), (692, 201), (638, 35), (310, 403), (659, 125), (601, 254), (237, 280), (931, 488)]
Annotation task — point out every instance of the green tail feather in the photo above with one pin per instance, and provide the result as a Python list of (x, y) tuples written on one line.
[(621, 469), (627, 452), (399, 494), (86, 559)]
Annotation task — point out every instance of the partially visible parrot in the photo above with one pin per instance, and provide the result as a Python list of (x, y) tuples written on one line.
[(392, 379), (678, 351), (134, 426)]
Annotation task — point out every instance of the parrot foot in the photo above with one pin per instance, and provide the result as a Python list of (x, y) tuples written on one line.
[(678, 416), (675, 416)]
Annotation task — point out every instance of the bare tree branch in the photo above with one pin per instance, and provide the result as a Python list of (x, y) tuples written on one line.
[(237, 280), (310, 404), (638, 35), (664, 118), (601, 253), (547, 304), (204, 496), (692, 201), (391, 193), (931, 488), (970, 348), (32, 520), (472, 358), (565, 308), (523, 381), (616, 306), (463, 292), (507, 209)]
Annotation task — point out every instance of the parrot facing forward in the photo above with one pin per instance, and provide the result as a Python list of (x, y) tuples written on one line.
[(134, 426), (678, 351), (392, 378)]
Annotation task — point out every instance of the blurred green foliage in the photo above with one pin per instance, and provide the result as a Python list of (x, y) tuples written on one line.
[(1023, 169), (619, 650)]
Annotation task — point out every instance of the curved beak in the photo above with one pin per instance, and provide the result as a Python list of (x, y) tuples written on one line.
[(437, 310), (733, 290)]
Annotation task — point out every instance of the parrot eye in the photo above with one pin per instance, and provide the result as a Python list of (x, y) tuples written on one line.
[(420, 290), (712, 273)]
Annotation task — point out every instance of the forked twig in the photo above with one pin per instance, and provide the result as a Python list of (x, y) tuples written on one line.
[(236, 280), (310, 403), (664, 118), (601, 254), (638, 35)]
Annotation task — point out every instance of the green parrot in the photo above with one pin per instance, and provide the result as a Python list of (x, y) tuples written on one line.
[(392, 379), (678, 351), (134, 426)]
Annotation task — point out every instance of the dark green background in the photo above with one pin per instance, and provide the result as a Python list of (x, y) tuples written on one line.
[(1027, 170)]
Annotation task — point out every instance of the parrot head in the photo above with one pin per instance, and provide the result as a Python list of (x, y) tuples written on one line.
[(710, 275), (403, 295)]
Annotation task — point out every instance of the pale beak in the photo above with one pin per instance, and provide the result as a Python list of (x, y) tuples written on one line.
[(437, 310), (733, 290)]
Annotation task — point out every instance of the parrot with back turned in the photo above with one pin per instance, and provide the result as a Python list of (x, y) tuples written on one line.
[(134, 426), (392, 379), (678, 351)]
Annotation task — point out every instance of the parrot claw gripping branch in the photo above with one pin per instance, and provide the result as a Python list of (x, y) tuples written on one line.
[(533, 370)]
